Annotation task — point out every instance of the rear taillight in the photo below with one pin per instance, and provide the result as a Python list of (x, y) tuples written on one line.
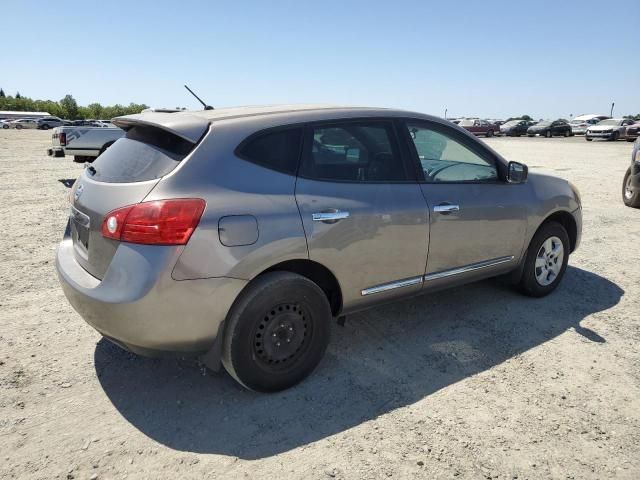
[(63, 139), (162, 222)]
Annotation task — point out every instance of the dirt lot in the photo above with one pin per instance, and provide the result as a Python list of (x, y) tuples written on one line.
[(478, 382)]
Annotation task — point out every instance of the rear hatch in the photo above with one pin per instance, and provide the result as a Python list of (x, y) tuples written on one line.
[(124, 175)]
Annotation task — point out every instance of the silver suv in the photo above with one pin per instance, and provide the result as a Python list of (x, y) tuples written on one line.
[(239, 234)]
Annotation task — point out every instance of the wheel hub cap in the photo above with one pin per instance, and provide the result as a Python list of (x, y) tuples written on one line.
[(549, 261), (281, 334), (628, 190)]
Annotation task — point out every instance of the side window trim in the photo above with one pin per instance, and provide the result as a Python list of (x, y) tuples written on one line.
[(396, 143), (458, 137)]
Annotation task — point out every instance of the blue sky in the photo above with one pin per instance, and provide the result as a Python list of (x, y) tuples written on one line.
[(490, 58)]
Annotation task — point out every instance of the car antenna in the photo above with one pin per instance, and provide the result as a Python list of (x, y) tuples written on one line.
[(206, 107)]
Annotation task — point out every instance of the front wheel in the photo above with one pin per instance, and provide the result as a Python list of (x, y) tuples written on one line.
[(566, 133), (18, 127), (546, 260), (277, 332), (548, 134), (630, 196), (588, 139), (489, 133), (45, 127), (615, 136)]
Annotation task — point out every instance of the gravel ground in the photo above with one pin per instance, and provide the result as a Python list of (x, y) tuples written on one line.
[(476, 382)]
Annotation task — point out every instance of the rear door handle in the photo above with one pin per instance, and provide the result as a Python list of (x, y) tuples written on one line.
[(329, 216), (446, 208)]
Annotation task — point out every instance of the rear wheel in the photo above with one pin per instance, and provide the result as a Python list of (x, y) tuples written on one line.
[(45, 127), (615, 136), (546, 260), (566, 133), (277, 332), (588, 139), (548, 134), (490, 133), (18, 127), (630, 196)]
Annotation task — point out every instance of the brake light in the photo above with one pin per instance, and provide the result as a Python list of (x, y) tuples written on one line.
[(162, 222), (63, 139)]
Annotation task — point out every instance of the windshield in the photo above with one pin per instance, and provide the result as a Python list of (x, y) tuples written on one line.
[(466, 123), (609, 122), (511, 123), (543, 124)]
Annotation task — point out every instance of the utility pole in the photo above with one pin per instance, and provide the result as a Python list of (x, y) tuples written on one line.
[(611, 114), (445, 113)]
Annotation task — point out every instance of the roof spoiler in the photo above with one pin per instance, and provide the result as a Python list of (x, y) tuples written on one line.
[(183, 125)]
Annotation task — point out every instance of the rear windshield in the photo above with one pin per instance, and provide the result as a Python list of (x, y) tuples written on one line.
[(144, 153)]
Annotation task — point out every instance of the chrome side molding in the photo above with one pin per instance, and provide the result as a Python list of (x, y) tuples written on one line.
[(392, 285), (468, 268), (434, 276)]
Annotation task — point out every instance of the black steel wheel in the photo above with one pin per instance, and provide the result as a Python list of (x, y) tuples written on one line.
[(276, 332)]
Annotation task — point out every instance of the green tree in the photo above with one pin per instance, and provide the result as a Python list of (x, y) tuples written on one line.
[(2, 95), (70, 107), (18, 95)]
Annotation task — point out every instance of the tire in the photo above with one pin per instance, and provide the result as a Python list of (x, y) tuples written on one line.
[(548, 134), (489, 133), (566, 134), (553, 237), (45, 127), (18, 127), (588, 139), (615, 136), (630, 196), (276, 307), (530, 135)]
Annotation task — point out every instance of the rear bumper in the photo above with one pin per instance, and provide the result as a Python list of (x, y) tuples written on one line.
[(140, 307), (55, 152)]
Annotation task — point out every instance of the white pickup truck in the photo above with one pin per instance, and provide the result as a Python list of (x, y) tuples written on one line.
[(83, 143)]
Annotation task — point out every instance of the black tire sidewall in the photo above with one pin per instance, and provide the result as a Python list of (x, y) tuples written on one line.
[(634, 201), (263, 294), (528, 283)]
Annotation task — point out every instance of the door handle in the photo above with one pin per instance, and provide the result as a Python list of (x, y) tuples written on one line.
[(446, 208), (329, 216)]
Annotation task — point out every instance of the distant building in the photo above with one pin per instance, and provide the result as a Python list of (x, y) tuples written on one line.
[(9, 114)]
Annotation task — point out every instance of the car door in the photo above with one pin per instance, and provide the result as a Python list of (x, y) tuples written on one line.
[(363, 212), (477, 219)]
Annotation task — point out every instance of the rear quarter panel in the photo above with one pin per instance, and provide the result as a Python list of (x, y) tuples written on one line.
[(234, 187)]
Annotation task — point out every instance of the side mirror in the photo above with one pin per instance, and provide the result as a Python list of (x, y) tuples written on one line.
[(517, 172)]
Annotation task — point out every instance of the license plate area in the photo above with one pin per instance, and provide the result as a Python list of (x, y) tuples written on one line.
[(80, 228)]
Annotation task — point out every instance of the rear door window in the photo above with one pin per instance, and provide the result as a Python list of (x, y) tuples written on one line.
[(144, 153), (353, 152)]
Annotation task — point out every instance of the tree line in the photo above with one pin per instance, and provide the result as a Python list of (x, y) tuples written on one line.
[(67, 107)]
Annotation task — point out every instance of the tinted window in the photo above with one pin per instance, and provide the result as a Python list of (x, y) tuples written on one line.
[(276, 150), (353, 152), (444, 159), (144, 154)]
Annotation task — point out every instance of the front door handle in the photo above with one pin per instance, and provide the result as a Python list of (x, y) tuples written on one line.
[(329, 216), (446, 208)]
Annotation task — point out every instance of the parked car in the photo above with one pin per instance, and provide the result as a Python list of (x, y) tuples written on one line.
[(633, 131), (23, 123), (515, 128), (49, 122), (579, 127), (479, 127), (247, 266), (6, 123), (631, 182), (84, 143), (610, 129), (550, 129)]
